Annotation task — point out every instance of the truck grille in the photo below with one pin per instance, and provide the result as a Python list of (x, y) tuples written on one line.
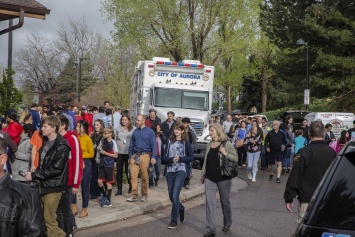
[(198, 126)]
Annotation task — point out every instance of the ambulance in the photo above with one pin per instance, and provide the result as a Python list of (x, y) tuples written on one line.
[(339, 120), (184, 87)]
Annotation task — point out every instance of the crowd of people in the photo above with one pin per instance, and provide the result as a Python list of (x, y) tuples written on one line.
[(58, 150)]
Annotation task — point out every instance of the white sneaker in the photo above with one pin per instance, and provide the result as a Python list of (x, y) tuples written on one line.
[(249, 176), (253, 180)]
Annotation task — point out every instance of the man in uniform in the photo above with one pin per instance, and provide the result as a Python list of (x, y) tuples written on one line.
[(309, 166)]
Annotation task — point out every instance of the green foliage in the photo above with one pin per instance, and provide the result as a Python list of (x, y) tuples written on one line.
[(328, 27), (9, 95)]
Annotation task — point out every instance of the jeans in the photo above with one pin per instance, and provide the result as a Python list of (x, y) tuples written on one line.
[(157, 167), (122, 161), (94, 186), (85, 184), (65, 216), (263, 157), (287, 162), (253, 158), (175, 181)]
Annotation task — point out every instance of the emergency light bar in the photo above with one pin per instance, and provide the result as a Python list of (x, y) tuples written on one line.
[(193, 65)]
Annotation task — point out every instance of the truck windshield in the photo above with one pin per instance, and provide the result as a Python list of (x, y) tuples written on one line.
[(173, 98)]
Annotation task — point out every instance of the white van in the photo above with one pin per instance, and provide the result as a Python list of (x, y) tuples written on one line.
[(339, 120)]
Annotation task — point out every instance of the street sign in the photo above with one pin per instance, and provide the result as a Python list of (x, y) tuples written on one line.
[(306, 96)]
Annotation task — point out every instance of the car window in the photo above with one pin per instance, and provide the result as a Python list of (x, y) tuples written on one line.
[(337, 209)]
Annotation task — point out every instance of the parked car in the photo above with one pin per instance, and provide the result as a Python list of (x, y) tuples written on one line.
[(331, 211)]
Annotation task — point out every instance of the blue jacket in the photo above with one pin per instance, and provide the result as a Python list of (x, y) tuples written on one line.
[(36, 120)]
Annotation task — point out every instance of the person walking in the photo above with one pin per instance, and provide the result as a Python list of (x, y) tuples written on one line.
[(96, 137), (21, 209), (108, 153), (240, 135), (177, 157), (161, 140), (253, 145), (65, 214), (87, 149), (52, 173), (124, 136), (275, 144), (214, 181), (142, 151), (309, 166)]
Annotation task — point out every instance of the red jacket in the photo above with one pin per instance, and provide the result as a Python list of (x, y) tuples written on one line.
[(89, 118), (75, 161), (14, 129)]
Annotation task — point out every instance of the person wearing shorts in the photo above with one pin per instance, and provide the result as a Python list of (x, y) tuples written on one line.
[(275, 144), (108, 155)]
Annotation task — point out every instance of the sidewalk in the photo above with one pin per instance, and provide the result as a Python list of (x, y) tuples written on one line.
[(158, 198)]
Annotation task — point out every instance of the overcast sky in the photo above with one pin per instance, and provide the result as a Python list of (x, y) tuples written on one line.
[(60, 11)]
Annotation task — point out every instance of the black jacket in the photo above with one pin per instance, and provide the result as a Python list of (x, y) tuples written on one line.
[(165, 128), (274, 140), (309, 166), (20, 210), (53, 171)]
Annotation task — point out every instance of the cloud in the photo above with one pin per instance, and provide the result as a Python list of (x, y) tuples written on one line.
[(60, 12)]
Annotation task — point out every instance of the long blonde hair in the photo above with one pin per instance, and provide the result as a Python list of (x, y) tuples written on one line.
[(220, 133)]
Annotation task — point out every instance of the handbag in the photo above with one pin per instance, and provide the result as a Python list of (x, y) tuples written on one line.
[(228, 168)]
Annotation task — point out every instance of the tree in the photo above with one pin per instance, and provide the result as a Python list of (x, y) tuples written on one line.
[(38, 64), (9, 95), (329, 28)]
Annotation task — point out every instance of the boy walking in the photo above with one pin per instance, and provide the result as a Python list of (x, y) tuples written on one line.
[(108, 153), (300, 140)]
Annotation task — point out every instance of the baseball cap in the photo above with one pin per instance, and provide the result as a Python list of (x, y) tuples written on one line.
[(84, 107), (11, 113)]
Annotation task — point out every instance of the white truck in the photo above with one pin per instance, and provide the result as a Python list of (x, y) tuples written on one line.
[(339, 120), (183, 87)]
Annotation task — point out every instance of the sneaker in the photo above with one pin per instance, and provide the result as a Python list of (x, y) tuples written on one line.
[(253, 180), (283, 171), (156, 183), (172, 225), (288, 170), (278, 180), (144, 198), (151, 186), (226, 228), (103, 201), (107, 203), (132, 199), (271, 177), (249, 176), (262, 168)]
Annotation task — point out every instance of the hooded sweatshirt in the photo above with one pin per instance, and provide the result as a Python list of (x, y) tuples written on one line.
[(75, 161)]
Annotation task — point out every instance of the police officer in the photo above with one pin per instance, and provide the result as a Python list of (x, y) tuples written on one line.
[(309, 166)]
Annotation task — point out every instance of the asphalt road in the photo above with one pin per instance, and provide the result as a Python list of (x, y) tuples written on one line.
[(258, 210)]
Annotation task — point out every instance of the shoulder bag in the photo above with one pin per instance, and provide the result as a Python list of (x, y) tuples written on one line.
[(228, 168)]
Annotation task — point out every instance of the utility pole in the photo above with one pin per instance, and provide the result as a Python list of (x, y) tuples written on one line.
[(78, 81)]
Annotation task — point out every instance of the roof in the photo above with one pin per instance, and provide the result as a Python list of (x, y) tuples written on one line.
[(10, 9)]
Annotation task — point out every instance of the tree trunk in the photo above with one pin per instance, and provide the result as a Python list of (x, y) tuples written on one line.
[(264, 90), (229, 100)]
